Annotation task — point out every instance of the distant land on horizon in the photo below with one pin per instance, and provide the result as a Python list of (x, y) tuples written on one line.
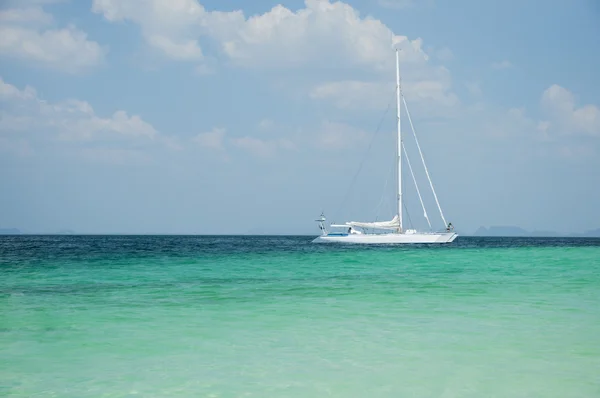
[(513, 231), (16, 231), (10, 231), (492, 231)]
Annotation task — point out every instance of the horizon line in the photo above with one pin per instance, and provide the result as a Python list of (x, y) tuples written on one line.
[(574, 235)]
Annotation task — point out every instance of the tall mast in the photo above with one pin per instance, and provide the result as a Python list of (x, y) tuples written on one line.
[(398, 89)]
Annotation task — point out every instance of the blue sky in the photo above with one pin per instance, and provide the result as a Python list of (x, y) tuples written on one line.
[(180, 116)]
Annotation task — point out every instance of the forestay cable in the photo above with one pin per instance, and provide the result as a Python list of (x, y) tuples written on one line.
[(423, 160), (416, 186)]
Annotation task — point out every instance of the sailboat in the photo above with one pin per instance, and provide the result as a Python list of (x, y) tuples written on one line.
[(393, 231)]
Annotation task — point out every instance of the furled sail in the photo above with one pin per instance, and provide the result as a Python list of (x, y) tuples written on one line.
[(392, 224)]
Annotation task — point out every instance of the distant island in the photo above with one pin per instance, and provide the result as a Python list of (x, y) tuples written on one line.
[(500, 231), (278, 232), (9, 231), (16, 231), (518, 231), (592, 233)]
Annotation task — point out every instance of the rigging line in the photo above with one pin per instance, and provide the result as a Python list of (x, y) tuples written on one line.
[(365, 156), (423, 160), (416, 186)]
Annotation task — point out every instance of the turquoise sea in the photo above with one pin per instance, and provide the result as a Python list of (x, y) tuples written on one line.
[(196, 316)]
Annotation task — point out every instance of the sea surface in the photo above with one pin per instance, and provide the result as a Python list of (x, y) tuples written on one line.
[(201, 316)]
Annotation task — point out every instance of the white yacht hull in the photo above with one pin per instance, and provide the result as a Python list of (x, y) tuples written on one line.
[(392, 238)]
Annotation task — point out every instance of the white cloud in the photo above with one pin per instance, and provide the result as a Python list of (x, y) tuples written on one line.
[(212, 139), (434, 91), (114, 156), (186, 50), (321, 34), (171, 27), (24, 3), (565, 117), (354, 94), (567, 131), (502, 65), (262, 148), (23, 36), (270, 142), (87, 126), (357, 95), (8, 92), (24, 115), (259, 147), (29, 15)]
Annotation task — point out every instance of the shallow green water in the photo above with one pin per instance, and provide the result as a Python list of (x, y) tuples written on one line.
[(279, 317)]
